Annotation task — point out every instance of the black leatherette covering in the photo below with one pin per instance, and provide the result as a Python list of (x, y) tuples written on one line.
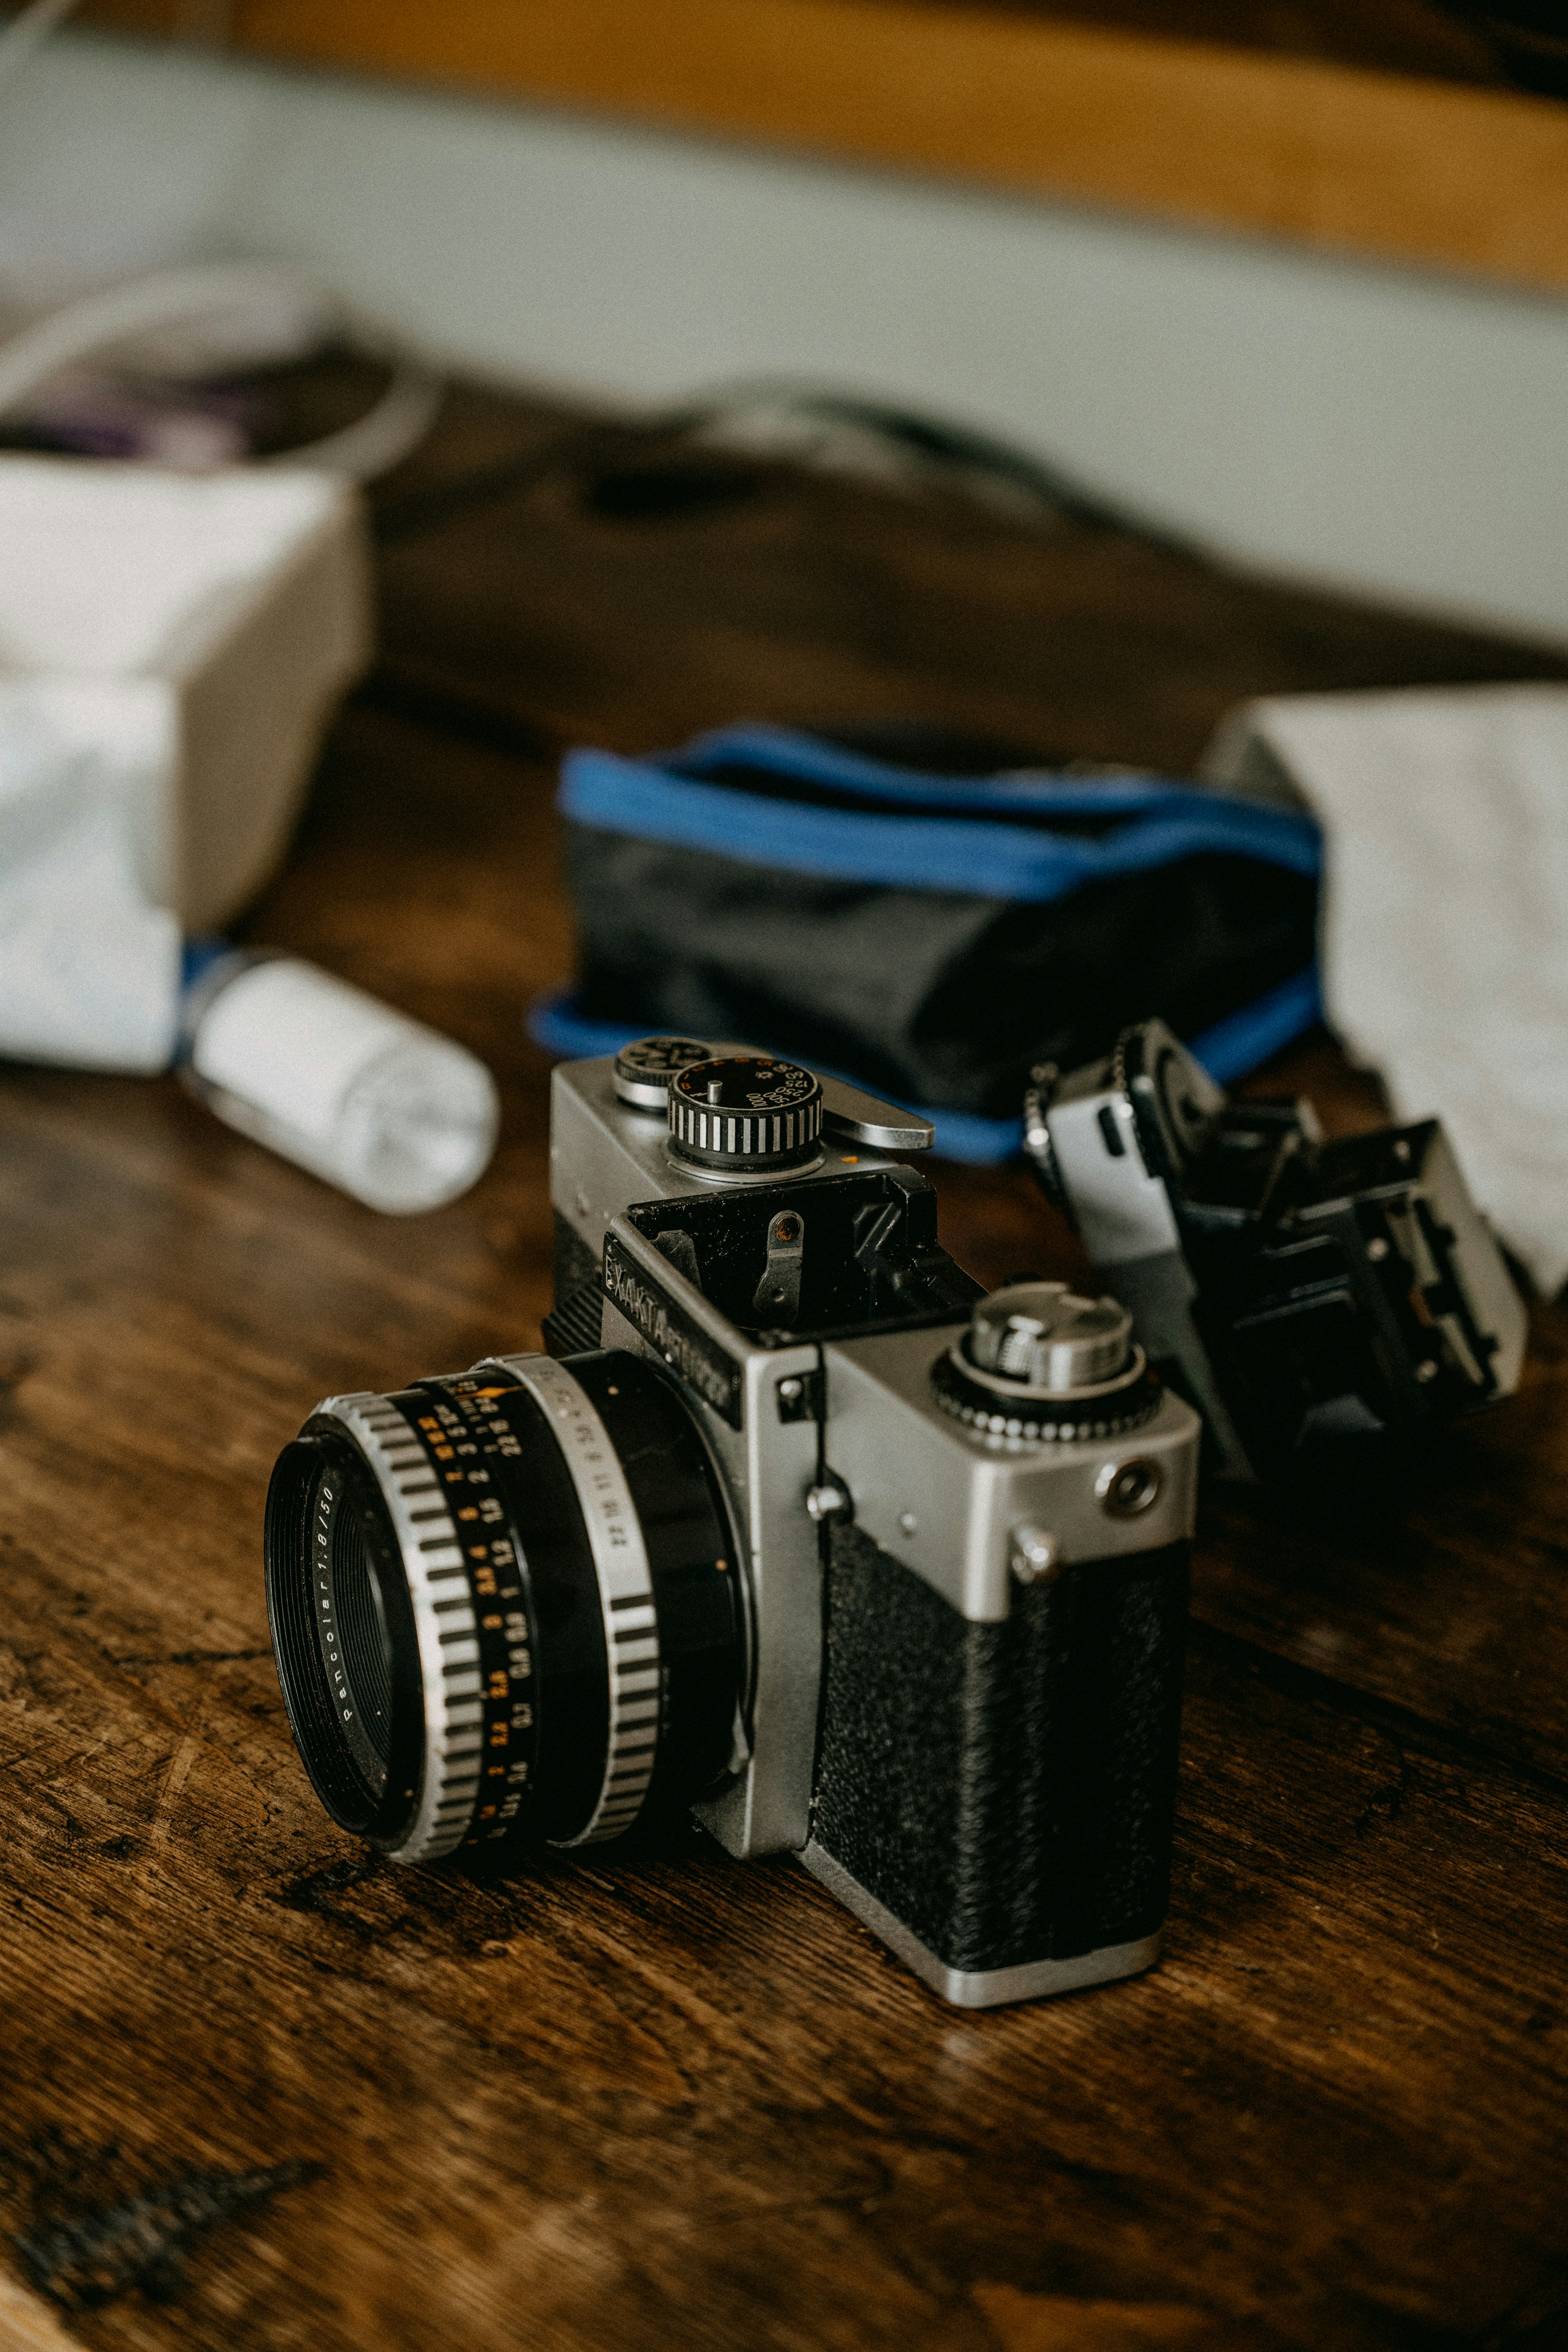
[(573, 1324), (1006, 1789)]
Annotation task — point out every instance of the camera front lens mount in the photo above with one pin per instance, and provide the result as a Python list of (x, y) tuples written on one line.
[(351, 1631), (341, 1628), (506, 1605)]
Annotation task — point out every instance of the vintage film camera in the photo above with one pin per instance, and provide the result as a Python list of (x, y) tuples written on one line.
[(793, 1527), (1297, 1291)]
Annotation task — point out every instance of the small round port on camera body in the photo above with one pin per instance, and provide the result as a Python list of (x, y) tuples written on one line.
[(1127, 1489)]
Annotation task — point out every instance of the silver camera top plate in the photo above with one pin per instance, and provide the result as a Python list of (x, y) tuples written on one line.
[(604, 1154), (951, 1504)]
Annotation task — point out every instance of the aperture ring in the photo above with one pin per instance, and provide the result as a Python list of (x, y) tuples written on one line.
[(444, 1619), (626, 1590)]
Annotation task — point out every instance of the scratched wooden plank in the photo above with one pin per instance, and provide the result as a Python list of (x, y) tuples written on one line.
[(683, 2100)]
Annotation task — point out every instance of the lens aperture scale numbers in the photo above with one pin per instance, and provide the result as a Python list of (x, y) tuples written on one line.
[(464, 1431), (625, 1582)]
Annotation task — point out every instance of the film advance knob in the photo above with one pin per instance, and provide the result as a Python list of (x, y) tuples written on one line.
[(744, 1114)]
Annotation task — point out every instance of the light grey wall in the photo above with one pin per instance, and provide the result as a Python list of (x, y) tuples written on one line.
[(1399, 432)]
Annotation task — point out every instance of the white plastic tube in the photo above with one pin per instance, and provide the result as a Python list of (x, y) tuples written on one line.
[(382, 1106)]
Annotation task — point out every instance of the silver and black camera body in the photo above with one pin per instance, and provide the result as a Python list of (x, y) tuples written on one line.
[(864, 1565), (1298, 1292)]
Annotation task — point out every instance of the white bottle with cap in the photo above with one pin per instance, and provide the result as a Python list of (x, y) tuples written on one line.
[(385, 1108)]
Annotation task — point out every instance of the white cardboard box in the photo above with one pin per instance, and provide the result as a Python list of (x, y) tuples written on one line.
[(192, 634)]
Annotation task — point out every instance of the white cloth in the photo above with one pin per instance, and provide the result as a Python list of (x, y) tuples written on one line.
[(1444, 932), (90, 971), (169, 651)]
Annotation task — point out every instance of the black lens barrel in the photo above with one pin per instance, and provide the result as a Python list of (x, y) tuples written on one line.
[(323, 1504), (694, 1561), (521, 1582)]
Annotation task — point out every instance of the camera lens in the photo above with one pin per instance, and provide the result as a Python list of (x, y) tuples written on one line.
[(506, 1605), (350, 1632)]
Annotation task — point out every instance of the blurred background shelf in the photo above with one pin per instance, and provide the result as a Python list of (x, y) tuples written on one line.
[(1381, 131)]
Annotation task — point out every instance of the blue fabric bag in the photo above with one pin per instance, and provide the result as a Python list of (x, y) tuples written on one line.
[(928, 932)]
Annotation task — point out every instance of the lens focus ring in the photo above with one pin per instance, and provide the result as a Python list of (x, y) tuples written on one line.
[(626, 1590), (442, 1617)]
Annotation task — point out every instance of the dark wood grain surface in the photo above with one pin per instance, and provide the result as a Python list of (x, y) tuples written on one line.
[(258, 2094)]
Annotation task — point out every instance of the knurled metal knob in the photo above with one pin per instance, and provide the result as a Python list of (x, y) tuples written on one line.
[(643, 1070), (746, 1113), (1039, 1366), (1040, 1335)]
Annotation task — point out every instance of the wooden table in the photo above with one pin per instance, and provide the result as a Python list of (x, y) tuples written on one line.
[(260, 2094)]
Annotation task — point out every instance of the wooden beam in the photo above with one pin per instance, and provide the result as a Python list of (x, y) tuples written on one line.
[(1375, 164)]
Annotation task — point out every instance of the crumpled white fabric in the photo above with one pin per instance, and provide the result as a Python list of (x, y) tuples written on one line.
[(169, 648), (90, 968), (1444, 932)]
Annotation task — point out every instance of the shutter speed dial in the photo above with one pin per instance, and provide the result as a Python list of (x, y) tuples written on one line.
[(745, 1115)]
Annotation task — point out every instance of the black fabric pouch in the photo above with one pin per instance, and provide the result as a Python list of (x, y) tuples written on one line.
[(930, 933)]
